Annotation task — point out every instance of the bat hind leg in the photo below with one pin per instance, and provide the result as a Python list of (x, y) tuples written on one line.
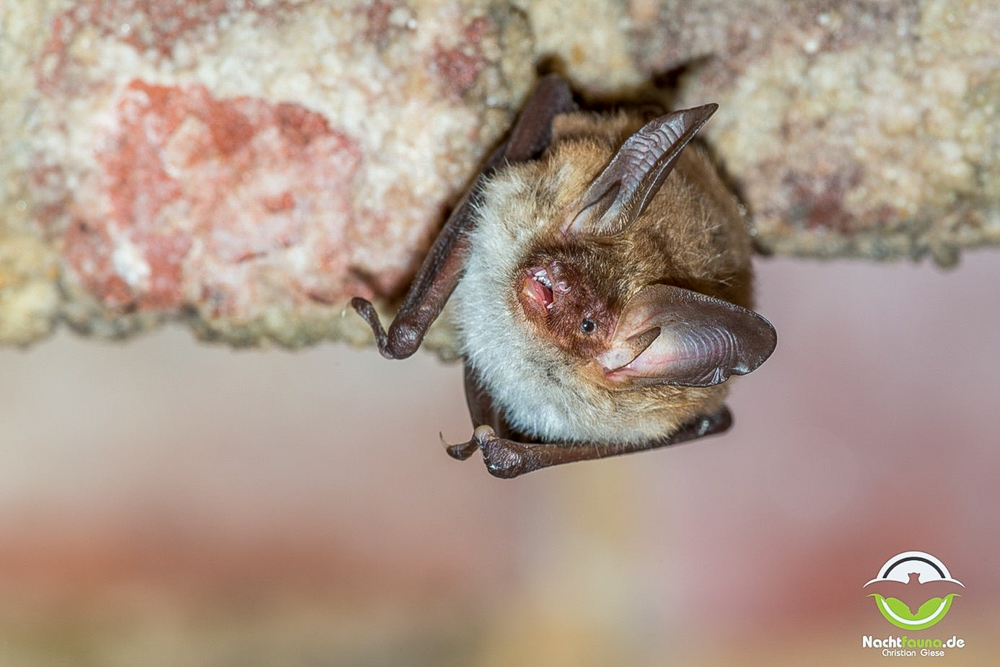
[(508, 459)]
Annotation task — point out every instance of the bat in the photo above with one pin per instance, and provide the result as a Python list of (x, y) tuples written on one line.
[(913, 592), (600, 278)]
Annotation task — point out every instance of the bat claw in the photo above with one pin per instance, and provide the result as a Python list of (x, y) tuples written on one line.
[(460, 451), (366, 310)]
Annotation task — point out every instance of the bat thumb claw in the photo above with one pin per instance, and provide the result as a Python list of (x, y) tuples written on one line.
[(462, 450)]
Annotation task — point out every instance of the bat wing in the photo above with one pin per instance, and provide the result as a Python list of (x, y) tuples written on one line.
[(888, 588), (482, 408), (670, 335), (941, 588), (506, 458), (445, 263)]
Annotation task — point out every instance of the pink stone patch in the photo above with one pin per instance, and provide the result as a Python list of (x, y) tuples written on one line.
[(459, 66), (458, 69), (209, 196)]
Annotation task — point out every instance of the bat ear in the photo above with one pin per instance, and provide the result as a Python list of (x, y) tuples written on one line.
[(617, 197), (670, 335)]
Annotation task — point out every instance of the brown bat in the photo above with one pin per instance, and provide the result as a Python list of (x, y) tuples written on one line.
[(602, 306), (913, 593)]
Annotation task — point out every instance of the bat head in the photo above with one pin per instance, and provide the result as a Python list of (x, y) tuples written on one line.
[(664, 334), (660, 333)]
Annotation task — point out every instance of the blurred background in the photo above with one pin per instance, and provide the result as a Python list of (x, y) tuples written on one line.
[(165, 502)]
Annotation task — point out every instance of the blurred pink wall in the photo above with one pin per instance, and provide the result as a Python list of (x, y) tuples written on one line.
[(168, 501)]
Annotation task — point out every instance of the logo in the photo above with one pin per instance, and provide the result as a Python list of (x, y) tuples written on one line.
[(914, 590)]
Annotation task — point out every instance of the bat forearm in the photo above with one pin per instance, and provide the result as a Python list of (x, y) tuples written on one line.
[(445, 263), (508, 459)]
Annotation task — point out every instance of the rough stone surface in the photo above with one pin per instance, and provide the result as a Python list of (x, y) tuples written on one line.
[(247, 167), (860, 128)]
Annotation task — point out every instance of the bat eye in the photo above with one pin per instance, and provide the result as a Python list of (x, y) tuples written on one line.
[(588, 326)]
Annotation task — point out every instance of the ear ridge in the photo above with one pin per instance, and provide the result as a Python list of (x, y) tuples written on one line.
[(702, 341), (616, 198)]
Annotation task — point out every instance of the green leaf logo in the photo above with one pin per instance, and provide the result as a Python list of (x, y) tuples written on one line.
[(897, 613)]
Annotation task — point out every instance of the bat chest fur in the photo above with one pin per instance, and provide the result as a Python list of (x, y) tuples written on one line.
[(545, 401), (539, 387)]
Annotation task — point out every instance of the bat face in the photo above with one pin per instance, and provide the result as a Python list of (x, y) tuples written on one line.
[(602, 287), (563, 305)]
